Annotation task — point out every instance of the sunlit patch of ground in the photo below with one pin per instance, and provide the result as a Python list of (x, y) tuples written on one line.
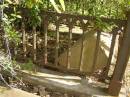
[(13, 92), (125, 91)]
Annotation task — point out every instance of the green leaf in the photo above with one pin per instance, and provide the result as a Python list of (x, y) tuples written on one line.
[(18, 16), (9, 1), (62, 4), (55, 6), (4, 5)]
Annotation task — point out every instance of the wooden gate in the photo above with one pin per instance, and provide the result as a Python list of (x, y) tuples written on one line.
[(85, 24), (55, 41)]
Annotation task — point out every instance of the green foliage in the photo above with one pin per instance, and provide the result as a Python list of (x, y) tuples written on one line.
[(28, 66), (35, 7), (9, 30), (98, 8), (34, 11), (8, 21), (106, 27), (62, 4), (56, 6)]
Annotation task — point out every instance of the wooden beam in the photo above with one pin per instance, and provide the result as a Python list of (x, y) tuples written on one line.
[(108, 20), (122, 59)]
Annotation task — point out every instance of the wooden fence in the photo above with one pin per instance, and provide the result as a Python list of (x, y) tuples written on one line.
[(86, 24)]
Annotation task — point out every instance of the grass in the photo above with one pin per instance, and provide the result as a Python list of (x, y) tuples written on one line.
[(30, 66)]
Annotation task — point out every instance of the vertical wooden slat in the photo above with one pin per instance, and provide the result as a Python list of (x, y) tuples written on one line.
[(105, 71), (57, 42), (24, 39), (34, 43), (45, 38), (69, 44), (96, 50), (82, 51), (111, 52)]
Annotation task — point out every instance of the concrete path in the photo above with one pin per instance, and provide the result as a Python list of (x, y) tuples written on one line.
[(5, 92)]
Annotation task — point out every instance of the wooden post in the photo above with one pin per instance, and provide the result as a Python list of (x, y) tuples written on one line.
[(122, 59), (105, 71), (82, 47), (45, 38), (115, 32), (82, 51), (34, 43), (69, 43), (57, 42), (24, 40), (96, 50)]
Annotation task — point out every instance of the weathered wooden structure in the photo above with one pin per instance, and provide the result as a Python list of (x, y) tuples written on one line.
[(88, 25), (84, 22)]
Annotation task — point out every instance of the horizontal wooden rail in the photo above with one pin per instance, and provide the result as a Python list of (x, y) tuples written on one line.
[(108, 20)]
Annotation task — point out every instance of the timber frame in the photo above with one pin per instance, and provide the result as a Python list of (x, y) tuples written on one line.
[(80, 21)]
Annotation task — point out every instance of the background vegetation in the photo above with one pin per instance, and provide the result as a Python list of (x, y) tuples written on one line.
[(98, 8)]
